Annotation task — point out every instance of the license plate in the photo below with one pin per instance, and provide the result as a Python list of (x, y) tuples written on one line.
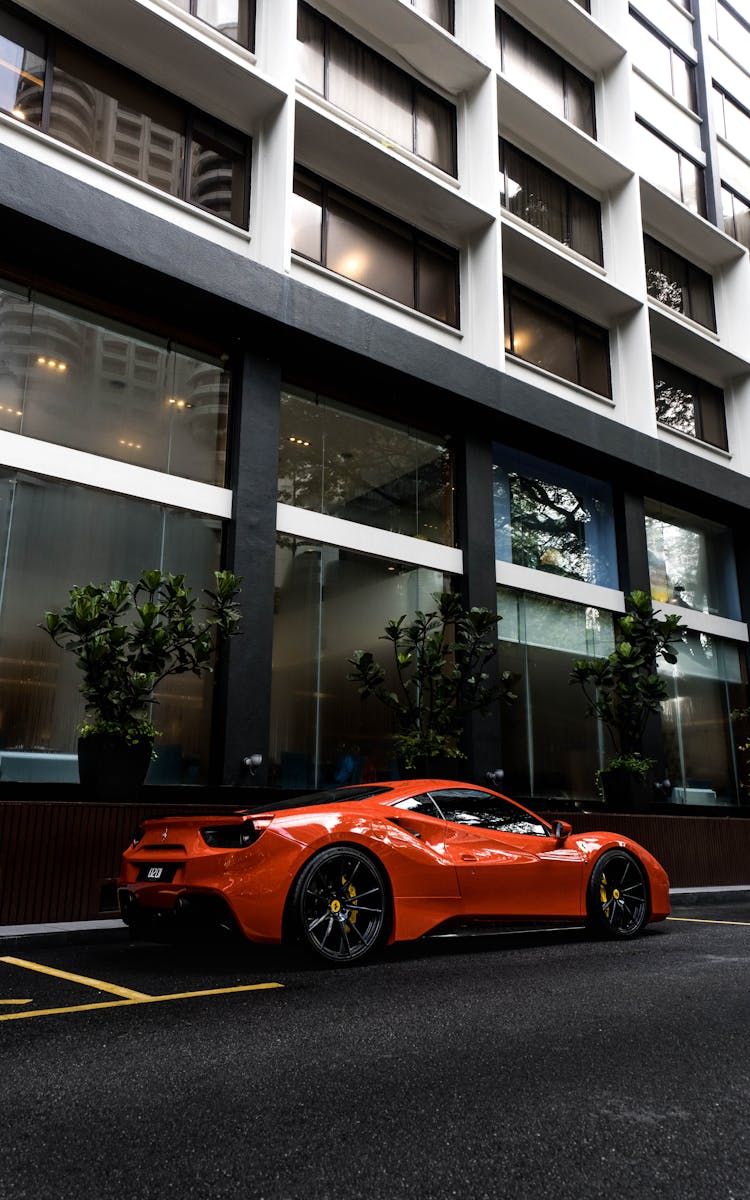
[(157, 872)]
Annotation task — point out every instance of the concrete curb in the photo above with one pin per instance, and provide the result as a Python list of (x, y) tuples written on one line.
[(66, 933)]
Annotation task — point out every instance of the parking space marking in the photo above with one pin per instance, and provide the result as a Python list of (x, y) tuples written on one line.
[(99, 984), (142, 999), (16, 1001), (707, 921)]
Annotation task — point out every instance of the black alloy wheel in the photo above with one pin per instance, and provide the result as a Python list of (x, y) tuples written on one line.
[(617, 901), (340, 905)]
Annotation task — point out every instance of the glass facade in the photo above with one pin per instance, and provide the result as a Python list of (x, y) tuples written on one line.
[(670, 170), (736, 213), (54, 536), (329, 603), (104, 111), (234, 18), (549, 202), (363, 83), (336, 460), (561, 342), (68, 380), (548, 746), (705, 685), (439, 11), (364, 244), (662, 62), (552, 519), (691, 561)]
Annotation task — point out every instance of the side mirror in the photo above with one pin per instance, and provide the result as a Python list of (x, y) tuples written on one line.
[(561, 830)]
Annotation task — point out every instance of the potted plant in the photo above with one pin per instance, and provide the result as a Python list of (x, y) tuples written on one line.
[(624, 690), (439, 659), (128, 637)]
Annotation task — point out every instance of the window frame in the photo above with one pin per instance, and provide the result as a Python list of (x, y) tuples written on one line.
[(701, 391), (189, 116), (245, 24), (417, 89), (694, 274), (681, 157), (570, 191), (383, 220), (568, 71), (578, 325), (674, 52)]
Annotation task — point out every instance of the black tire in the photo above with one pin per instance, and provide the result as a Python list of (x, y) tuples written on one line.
[(617, 900), (340, 906)]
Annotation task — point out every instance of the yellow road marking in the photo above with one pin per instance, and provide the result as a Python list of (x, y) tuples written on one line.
[(706, 921), (47, 1012), (16, 1001), (99, 984)]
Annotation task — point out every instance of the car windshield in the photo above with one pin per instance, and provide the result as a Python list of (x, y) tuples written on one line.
[(341, 795)]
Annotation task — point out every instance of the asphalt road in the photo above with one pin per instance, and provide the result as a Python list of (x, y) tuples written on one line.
[(540, 1066)]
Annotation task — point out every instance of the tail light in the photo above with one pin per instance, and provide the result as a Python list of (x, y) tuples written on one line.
[(234, 837), (137, 835)]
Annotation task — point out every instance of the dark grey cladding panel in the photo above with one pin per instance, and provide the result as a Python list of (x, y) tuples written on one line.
[(530, 415)]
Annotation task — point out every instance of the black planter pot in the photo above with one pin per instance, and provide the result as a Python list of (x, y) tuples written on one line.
[(627, 791), (110, 768)]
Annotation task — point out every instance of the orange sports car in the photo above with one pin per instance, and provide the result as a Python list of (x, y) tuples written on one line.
[(343, 871)]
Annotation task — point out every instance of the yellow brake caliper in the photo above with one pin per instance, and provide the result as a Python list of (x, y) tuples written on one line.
[(351, 892), (603, 893)]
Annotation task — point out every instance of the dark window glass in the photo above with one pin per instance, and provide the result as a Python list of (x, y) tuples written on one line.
[(234, 18), (689, 404), (666, 167), (363, 243), (549, 202), (353, 465), (440, 11), (584, 4), (465, 806), (547, 76), (363, 83), (662, 62), (552, 519), (551, 337), (736, 212), (110, 114), (421, 804), (23, 62), (676, 282)]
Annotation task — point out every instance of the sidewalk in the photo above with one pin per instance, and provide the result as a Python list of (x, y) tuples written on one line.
[(70, 932)]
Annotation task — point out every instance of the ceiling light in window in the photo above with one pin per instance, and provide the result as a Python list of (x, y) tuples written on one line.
[(299, 441), (352, 265), (17, 112), (52, 364)]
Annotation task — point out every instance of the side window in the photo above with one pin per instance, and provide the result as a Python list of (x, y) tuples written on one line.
[(421, 804), (465, 806)]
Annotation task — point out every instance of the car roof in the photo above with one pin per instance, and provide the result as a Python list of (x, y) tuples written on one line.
[(386, 793)]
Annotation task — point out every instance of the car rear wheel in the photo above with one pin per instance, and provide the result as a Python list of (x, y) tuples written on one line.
[(340, 905), (617, 901)]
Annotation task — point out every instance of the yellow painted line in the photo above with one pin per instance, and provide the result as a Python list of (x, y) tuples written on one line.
[(706, 921), (99, 984), (16, 1001), (48, 1012)]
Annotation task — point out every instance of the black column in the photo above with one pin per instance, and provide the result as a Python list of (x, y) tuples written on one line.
[(632, 551), (476, 533), (241, 719)]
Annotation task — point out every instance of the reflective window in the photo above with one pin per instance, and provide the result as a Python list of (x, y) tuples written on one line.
[(362, 243), (109, 391), (736, 213), (54, 536), (560, 341), (106, 112), (423, 804), (234, 18), (732, 121), (662, 62), (584, 4), (553, 519), (679, 284), (549, 202), (707, 682), (545, 75), (465, 806), (330, 602), (732, 29), (363, 83), (691, 561), (548, 747), (339, 461), (670, 170), (689, 404), (439, 11)]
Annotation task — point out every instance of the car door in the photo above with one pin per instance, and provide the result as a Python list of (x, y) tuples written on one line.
[(506, 862)]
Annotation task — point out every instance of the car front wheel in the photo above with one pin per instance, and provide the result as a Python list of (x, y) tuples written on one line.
[(617, 901), (340, 905)]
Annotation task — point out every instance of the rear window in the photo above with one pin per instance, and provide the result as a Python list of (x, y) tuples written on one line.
[(313, 799)]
